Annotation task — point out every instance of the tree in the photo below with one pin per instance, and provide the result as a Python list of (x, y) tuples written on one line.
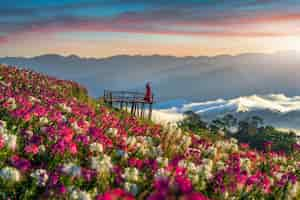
[(192, 121), (250, 125), (225, 123)]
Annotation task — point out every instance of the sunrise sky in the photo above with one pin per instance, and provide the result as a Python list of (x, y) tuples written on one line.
[(97, 28)]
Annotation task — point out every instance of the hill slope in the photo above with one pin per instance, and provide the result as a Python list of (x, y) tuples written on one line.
[(56, 143)]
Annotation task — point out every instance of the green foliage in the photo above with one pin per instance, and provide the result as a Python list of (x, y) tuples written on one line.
[(224, 123), (281, 141), (249, 130), (192, 121)]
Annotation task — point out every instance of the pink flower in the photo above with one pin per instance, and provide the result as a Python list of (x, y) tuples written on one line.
[(31, 149), (161, 185), (252, 180), (157, 196), (1, 142), (115, 194), (266, 184), (88, 174), (195, 196), (135, 162), (73, 148), (62, 189), (184, 184), (244, 145), (54, 178)]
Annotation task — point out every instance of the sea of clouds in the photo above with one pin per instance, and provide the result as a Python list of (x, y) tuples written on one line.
[(277, 109)]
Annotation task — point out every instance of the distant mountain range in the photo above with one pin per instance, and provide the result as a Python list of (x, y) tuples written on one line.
[(190, 78)]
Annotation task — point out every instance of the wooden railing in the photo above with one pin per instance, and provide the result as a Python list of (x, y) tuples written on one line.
[(129, 100)]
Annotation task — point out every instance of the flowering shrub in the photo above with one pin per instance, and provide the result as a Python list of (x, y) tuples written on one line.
[(57, 144)]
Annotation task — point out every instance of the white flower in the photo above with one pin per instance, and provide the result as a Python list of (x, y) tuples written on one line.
[(178, 134), (206, 168), (221, 132), (77, 128), (74, 194), (211, 151), (186, 141), (131, 187), (10, 174), (161, 173), (233, 141), (162, 161), (183, 163), (10, 141), (41, 176), (131, 174), (33, 99), (72, 169), (293, 190), (44, 120), (96, 147), (65, 108), (82, 195), (131, 141), (42, 148), (64, 118), (101, 164), (220, 165), (3, 124), (234, 147), (12, 103), (112, 131), (77, 194), (278, 175), (29, 133), (233, 129)]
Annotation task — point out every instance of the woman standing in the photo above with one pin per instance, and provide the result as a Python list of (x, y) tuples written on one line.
[(148, 94)]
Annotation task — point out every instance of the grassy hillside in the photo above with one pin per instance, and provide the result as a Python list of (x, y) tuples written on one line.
[(57, 143)]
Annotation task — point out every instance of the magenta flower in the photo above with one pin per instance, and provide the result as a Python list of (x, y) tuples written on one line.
[(157, 196), (31, 149), (62, 189), (195, 196), (115, 194), (20, 163), (184, 184), (1, 142)]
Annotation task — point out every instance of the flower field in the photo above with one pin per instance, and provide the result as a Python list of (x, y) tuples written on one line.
[(57, 143)]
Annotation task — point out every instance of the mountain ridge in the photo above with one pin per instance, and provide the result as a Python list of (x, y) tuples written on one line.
[(156, 55), (193, 78)]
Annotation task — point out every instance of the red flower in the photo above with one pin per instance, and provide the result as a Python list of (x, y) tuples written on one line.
[(33, 149), (73, 148), (1, 142), (115, 194)]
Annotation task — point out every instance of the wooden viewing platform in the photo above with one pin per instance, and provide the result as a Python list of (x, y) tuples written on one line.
[(129, 100)]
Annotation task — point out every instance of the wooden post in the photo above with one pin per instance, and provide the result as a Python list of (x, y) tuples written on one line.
[(137, 109), (132, 107), (111, 99), (150, 110), (104, 95), (142, 110)]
